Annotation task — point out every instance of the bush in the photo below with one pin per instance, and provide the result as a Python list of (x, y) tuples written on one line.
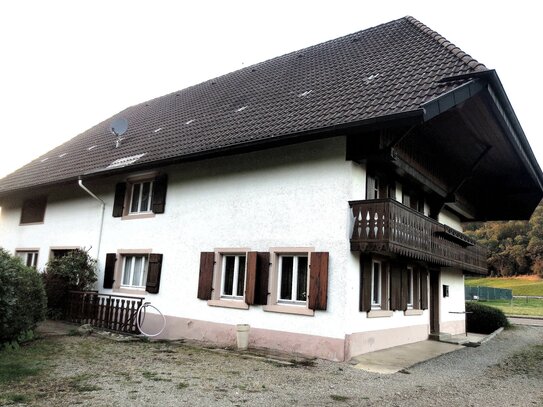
[(74, 271), (22, 298), (484, 319)]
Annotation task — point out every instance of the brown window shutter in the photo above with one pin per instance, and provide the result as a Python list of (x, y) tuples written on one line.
[(395, 287), (159, 193), (424, 289), (370, 187), (153, 273), (404, 289), (416, 288), (118, 203), (109, 270), (365, 283), (261, 278), (318, 281), (205, 281), (385, 285), (33, 210), (250, 282)]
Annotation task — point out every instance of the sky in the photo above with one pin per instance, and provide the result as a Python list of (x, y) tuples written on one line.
[(68, 65)]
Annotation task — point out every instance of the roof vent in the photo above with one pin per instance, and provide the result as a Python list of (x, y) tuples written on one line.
[(44, 160), (190, 121), (123, 162), (62, 155), (91, 147), (307, 92), (370, 78), (241, 109), (157, 130)]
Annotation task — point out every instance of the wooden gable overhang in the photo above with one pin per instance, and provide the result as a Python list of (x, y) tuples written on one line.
[(468, 153)]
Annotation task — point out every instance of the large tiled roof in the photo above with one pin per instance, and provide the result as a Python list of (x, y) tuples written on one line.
[(386, 70)]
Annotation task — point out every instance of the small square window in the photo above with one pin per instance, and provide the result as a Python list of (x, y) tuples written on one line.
[(134, 272), (33, 210), (29, 257)]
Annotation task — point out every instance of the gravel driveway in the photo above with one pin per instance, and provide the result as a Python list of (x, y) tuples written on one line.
[(92, 371)]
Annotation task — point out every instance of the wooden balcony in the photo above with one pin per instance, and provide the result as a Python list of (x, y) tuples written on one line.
[(388, 227)]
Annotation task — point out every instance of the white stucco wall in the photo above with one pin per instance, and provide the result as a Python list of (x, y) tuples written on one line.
[(452, 319), (450, 219)]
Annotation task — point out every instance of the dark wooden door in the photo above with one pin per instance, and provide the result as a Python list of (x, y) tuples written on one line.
[(434, 301)]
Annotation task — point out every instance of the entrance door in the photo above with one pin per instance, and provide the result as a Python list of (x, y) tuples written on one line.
[(434, 301)]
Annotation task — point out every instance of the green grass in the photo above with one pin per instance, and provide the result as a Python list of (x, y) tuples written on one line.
[(519, 306), (28, 360), (519, 285)]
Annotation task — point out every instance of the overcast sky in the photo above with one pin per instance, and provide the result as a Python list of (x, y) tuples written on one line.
[(67, 65)]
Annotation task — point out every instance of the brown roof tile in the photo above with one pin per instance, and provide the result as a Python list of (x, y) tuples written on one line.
[(385, 70)]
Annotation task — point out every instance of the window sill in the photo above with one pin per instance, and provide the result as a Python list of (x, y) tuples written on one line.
[(228, 304), (130, 291), (31, 223), (378, 313), (138, 216), (289, 309), (413, 312)]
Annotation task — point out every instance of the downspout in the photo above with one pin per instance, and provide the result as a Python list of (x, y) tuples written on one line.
[(103, 205)]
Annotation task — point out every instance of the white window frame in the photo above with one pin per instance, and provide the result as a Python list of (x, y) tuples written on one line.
[(139, 209), (143, 277), (295, 259), (376, 302), (376, 187), (410, 286), (24, 256), (234, 295)]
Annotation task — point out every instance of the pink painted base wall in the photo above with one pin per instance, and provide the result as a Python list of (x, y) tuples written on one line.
[(453, 327), (225, 335)]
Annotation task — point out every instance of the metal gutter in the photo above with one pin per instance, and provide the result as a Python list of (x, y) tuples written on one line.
[(103, 207)]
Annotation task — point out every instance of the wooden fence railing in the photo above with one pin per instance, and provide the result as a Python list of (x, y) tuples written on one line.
[(385, 225), (114, 312)]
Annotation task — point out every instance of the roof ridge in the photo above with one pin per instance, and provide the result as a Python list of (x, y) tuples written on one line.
[(456, 51)]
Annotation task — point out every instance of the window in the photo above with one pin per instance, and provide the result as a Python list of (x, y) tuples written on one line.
[(140, 196), (33, 210), (376, 285), (376, 187), (29, 257), (140, 200), (409, 287), (292, 279), (134, 271), (233, 276)]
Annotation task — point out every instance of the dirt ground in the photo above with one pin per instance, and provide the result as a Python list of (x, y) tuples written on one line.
[(96, 370)]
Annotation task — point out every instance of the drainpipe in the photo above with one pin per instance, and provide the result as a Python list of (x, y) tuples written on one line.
[(103, 205)]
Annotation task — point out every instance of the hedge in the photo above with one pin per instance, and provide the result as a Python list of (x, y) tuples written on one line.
[(484, 319), (22, 298)]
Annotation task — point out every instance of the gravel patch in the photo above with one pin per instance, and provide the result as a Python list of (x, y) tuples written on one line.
[(98, 371)]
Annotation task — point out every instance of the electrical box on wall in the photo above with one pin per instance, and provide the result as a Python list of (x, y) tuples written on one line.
[(445, 290)]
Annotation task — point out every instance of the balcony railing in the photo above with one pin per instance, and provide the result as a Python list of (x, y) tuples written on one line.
[(387, 226)]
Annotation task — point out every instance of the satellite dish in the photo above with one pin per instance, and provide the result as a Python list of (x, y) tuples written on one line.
[(118, 127)]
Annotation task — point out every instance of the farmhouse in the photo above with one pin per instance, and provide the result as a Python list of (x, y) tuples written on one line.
[(318, 196)]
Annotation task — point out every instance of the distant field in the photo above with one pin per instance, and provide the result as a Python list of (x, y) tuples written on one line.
[(519, 306), (520, 285)]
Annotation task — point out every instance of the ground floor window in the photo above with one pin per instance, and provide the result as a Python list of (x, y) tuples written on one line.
[(233, 276), (29, 257), (292, 279), (134, 273), (376, 285), (409, 287)]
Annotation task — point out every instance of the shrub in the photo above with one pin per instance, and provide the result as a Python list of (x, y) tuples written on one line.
[(22, 298), (484, 319), (74, 271)]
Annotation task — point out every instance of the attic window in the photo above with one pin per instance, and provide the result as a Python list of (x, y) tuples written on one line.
[(157, 130), (122, 162), (370, 78), (190, 121), (307, 92), (241, 109), (91, 147)]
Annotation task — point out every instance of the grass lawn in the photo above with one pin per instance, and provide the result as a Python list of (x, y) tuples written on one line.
[(519, 306), (526, 285)]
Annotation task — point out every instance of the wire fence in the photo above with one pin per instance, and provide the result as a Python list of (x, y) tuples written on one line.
[(487, 293)]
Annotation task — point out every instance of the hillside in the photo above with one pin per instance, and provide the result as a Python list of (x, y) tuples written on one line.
[(526, 285)]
